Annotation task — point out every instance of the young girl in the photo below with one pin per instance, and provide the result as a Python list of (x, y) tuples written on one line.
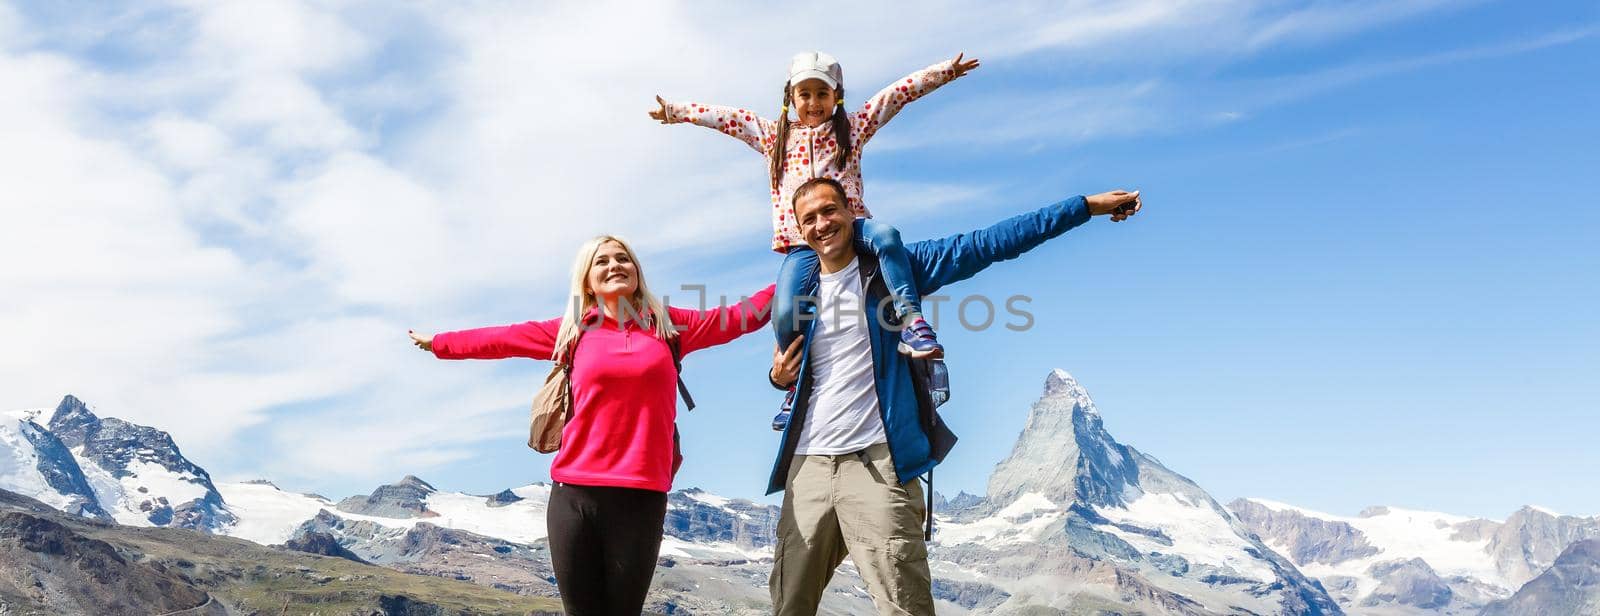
[(826, 141)]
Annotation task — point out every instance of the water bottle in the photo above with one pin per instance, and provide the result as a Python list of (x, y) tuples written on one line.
[(938, 382)]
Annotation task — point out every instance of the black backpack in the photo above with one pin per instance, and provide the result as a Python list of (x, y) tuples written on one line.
[(940, 438)]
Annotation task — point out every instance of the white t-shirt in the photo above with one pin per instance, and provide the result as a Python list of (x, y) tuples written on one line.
[(842, 415)]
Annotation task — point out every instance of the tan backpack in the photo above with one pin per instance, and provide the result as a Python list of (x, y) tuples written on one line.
[(552, 407)]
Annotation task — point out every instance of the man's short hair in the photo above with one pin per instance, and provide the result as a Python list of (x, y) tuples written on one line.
[(811, 185)]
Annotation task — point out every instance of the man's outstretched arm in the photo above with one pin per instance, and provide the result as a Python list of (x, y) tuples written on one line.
[(961, 256)]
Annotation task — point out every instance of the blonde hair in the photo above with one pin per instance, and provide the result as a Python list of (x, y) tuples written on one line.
[(580, 300)]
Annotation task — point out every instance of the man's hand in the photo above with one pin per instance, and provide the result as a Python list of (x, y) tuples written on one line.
[(959, 68), (423, 341), (1120, 204), (786, 364), (660, 115)]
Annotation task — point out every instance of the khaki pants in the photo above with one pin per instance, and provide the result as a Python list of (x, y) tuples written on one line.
[(851, 504)]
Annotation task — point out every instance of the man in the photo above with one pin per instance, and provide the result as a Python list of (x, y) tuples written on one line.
[(858, 439)]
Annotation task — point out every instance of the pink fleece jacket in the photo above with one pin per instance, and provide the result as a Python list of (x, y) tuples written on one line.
[(811, 152), (625, 392)]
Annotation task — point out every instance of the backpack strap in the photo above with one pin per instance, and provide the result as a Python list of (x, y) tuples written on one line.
[(566, 369), (688, 401), (677, 365)]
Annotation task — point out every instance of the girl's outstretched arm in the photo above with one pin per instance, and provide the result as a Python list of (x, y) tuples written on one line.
[(741, 124), (534, 339), (887, 102)]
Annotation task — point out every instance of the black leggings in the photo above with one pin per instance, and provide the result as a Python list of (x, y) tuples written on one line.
[(603, 546)]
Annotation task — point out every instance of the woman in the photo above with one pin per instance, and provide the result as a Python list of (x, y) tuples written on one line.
[(615, 464)]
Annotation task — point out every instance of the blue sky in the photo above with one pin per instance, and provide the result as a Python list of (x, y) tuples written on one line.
[(1365, 274)]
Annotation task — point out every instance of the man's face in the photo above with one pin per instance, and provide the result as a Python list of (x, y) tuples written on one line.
[(825, 221)]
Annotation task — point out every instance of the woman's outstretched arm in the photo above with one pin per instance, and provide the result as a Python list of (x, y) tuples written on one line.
[(708, 328), (534, 339)]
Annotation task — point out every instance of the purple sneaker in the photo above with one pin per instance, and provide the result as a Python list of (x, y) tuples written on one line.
[(918, 340)]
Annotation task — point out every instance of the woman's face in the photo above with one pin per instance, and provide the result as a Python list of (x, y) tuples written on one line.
[(612, 274), (813, 102)]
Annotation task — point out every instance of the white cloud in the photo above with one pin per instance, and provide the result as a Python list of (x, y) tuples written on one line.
[(923, 198), (371, 232), (290, 113), (1319, 22), (1069, 116), (1130, 26), (108, 292), (253, 37), (217, 181), (185, 144)]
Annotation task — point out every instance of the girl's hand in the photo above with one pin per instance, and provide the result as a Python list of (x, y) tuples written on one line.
[(660, 115), (423, 341), (961, 68)]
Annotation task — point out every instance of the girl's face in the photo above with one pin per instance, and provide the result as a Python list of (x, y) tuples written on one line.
[(813, 102), (612, 273)]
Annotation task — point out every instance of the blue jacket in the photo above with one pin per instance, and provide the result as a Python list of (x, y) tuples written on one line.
[(935, 263)]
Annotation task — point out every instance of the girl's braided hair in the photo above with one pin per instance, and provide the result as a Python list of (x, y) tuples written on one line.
[(841, 133)]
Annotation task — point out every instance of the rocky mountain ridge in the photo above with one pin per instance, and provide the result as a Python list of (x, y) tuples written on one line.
[(1094, 525), (137, 474), (1416, 562)]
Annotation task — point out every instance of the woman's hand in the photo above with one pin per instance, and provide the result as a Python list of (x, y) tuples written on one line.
[(423, 341), (786, 364), (660, 115), (1120, 204), (960, 68)]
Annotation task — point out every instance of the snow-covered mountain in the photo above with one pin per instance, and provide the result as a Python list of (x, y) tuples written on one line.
[(34, 462), (1388, 560), (1074, 519), (1073, 522), (137, 474), (269, 515), (1570, 586), (715, 554)]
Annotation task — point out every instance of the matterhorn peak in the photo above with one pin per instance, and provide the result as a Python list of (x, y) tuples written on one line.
[(1061, 383), (1064, 453)]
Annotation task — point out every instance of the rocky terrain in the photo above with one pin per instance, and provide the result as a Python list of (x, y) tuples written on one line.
[(57, 564)]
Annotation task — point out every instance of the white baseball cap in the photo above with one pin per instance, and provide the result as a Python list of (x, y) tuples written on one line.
[(815, 65)]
